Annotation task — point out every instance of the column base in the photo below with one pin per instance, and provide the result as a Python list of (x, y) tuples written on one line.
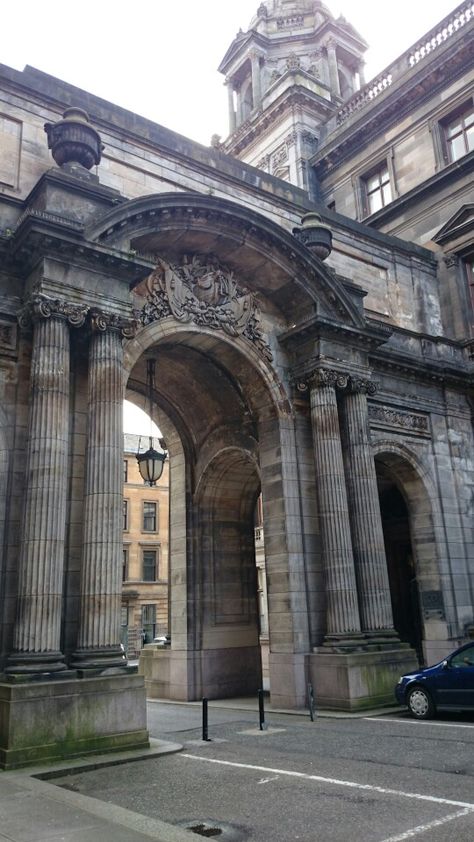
[(99, 659), (359, 680), (35, 663), (58, 720), (362, 642)]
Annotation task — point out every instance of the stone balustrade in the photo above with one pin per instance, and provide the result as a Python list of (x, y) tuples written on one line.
[(422, 49)]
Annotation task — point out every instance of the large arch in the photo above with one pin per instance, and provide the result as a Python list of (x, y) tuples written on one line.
[(232, 430), (265, 257)]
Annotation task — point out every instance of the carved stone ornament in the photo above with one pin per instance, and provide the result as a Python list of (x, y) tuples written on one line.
[(399, 418), (102, 322), (342, 380), (41, 306), (201, 291)]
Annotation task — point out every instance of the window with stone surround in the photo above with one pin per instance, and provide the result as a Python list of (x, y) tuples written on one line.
[(453, 133), (125, 564), (148, 623), (376, 189), (150, 519), (458, 133), (125, 470), (150, 564)]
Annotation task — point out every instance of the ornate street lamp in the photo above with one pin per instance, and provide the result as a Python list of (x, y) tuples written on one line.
[(150, 463)]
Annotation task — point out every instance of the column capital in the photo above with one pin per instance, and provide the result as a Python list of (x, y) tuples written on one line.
[(101, 322), (344, 381), (361, 385), (40, 306)]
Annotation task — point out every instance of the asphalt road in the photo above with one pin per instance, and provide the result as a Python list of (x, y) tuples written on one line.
[(381, 779)]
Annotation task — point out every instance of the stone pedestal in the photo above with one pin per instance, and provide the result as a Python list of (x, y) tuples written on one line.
[(188, 676), (287, 680), (54, 720), (359, 680)]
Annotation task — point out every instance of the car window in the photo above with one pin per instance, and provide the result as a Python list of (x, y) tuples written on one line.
[(464, 658)]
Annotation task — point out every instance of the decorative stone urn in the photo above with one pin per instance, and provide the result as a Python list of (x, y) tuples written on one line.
[(74, 140), (315, 235)]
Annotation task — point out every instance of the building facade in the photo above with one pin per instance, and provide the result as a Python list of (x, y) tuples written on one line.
[(321, 359)]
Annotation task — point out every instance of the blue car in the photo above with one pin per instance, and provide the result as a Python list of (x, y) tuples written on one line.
[(448, 685)]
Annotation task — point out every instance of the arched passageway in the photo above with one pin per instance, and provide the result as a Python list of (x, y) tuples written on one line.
[(220, 414), (410, 545)]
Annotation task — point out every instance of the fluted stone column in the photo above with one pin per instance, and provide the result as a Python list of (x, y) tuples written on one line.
[(333, 71), (37, 633), (99, 629), (366, 523), (256, 79), (341, 590), (230, 96)]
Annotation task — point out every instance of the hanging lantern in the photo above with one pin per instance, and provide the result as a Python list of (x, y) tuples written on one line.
[(151, 462)]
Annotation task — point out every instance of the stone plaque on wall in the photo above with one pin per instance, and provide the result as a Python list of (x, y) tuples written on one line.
[(432, 604)]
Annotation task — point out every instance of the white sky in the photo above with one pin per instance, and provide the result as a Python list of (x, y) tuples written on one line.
[(159, 58), (136, 421)]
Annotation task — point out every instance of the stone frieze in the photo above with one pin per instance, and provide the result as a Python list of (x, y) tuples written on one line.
[(399, 418)]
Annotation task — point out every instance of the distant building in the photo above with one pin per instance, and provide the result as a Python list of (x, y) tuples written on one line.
[(145, 553)]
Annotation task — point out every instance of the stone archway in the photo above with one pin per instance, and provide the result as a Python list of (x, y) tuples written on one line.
[(231, 427), (410, 527)]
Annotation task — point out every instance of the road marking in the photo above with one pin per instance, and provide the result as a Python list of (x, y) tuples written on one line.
[(268, 780), (417, 722), (422, 828), (335, 781)]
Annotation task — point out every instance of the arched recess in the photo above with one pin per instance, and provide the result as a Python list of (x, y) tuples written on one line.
[(230, 418), (413, 544), (225, 502)]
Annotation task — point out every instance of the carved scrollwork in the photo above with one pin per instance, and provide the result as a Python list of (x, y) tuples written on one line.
[(359, 384), (201, 291), (102, 322), (41, 306)]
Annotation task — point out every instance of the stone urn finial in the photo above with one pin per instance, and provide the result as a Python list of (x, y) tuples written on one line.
[(315, 235), (73, 139)]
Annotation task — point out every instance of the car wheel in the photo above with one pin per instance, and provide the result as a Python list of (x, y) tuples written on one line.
[(420, 703)]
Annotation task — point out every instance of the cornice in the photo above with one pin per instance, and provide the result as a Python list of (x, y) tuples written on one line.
[(370, 336), (41, 234)]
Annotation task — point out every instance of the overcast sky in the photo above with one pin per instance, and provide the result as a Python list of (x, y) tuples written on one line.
[(159, 58)]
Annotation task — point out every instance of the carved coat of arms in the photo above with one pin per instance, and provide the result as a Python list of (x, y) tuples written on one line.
[(201, 291)]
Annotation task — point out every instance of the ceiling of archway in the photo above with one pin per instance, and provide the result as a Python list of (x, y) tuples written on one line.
[(203, 394)]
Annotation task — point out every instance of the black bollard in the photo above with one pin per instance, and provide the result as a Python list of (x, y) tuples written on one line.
[(205, 722), (311, 702), (261, 710)]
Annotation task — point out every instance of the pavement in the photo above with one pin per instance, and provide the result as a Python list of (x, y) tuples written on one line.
[(34, 810)]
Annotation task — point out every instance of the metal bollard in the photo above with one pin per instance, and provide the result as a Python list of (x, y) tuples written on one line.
[(205, 721), (261, 710), (311, 705)]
